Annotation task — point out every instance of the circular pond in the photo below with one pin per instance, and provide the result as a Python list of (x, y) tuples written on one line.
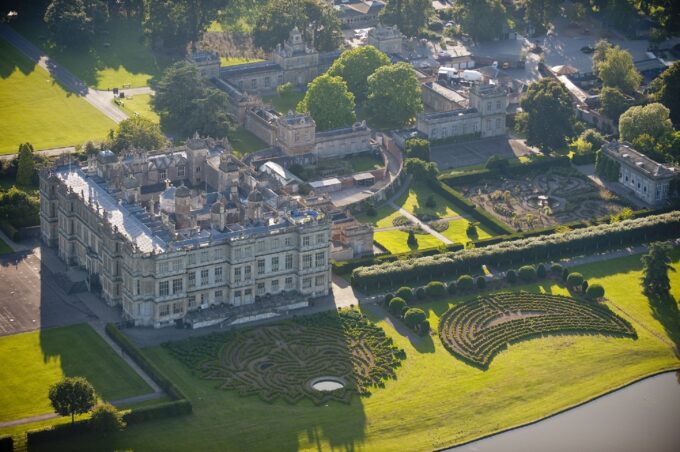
[(327, 384), (540, 201)]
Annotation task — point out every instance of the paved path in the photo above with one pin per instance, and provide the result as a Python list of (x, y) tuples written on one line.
[(101, 100), (47, 416), (422, 225)]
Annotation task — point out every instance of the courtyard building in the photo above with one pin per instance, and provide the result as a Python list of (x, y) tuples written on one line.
[(188, 235)]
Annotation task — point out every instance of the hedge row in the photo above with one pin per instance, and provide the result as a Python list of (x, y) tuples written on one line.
[(56, 432), (346, 267), (160, 411), (517, 170), (550, 247), (138, 357)]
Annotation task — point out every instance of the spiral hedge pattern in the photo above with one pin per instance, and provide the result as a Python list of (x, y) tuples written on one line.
[(478, 330), (280, 360)]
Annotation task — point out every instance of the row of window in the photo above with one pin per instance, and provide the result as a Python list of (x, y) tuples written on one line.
[(164, 287)]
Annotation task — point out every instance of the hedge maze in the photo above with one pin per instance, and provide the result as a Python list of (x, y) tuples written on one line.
[(281, 360), (478, 330)]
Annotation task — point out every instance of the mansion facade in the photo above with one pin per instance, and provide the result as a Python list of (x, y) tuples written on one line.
[(213, 242)]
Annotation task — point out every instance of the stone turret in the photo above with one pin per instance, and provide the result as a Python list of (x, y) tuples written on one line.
[(183, 207), (131, 189)]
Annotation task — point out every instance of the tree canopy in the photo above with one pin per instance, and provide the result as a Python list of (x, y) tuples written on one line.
[(618, 71), (539, 12), (652, 119), (73, 22), (356, 65), (329, 102), (549, 114), (417, 148), (410, 16), (174, 23), (187, 105), (315, 19), (483, 20), (137, 133), (667, 87), (394, 95), (71, 396), (613, 102)]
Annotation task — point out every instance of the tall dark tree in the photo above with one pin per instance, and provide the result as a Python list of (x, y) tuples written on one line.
[(655, 267), (73, 22), (667, 87), (410, 16), (483, 20), (71, 396), (135, 133), (26, 164), (174, 23), (329, 102), (316, 20), (186, 105), (549, 114), (539, 13)]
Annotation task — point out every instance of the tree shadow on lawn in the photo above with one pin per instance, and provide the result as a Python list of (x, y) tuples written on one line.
[(665, 310), (11, 60)]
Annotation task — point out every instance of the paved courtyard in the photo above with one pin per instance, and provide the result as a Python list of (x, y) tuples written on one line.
[(30, 297), (458, 155)]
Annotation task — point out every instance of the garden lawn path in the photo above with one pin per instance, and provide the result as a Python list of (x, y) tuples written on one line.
[(422, 225)]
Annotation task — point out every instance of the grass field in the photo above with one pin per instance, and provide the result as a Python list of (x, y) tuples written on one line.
[(139, 104), (284, 104), (31, 362), (233, 61), (365, 161), (436, 400), (34, 108), (244, 142), (457, 231), (395, 241), (119, 55), (4, 248)]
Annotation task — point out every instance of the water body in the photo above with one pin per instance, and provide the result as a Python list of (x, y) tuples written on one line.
[(327, 385), (643, 417)]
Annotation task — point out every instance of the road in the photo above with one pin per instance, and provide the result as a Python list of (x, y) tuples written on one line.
[(101, 100), (53, 152)]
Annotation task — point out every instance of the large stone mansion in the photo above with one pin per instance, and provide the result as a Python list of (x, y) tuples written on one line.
[(188, 234)]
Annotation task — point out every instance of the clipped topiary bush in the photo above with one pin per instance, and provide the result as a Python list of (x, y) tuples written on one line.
[(556, 269), (413, 317), (397, 306), (106, 419), (511, 276), (435, 289), (584, 286), (451, 288), (574, 280), (424, 328), (595, 291), (465, 282), (386, 300), (481, 282), (527, 273), (565, 274), (404, 293), (420, 293), (540, 271)]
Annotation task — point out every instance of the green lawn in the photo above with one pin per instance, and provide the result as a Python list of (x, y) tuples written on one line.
[(34, 108), (395, 241), (437, 400), (31, 362), (233, 61), (365, 161), (4, 248), (138, 104), (286, 103), (457, 231), (119, 55), (245, 142)]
